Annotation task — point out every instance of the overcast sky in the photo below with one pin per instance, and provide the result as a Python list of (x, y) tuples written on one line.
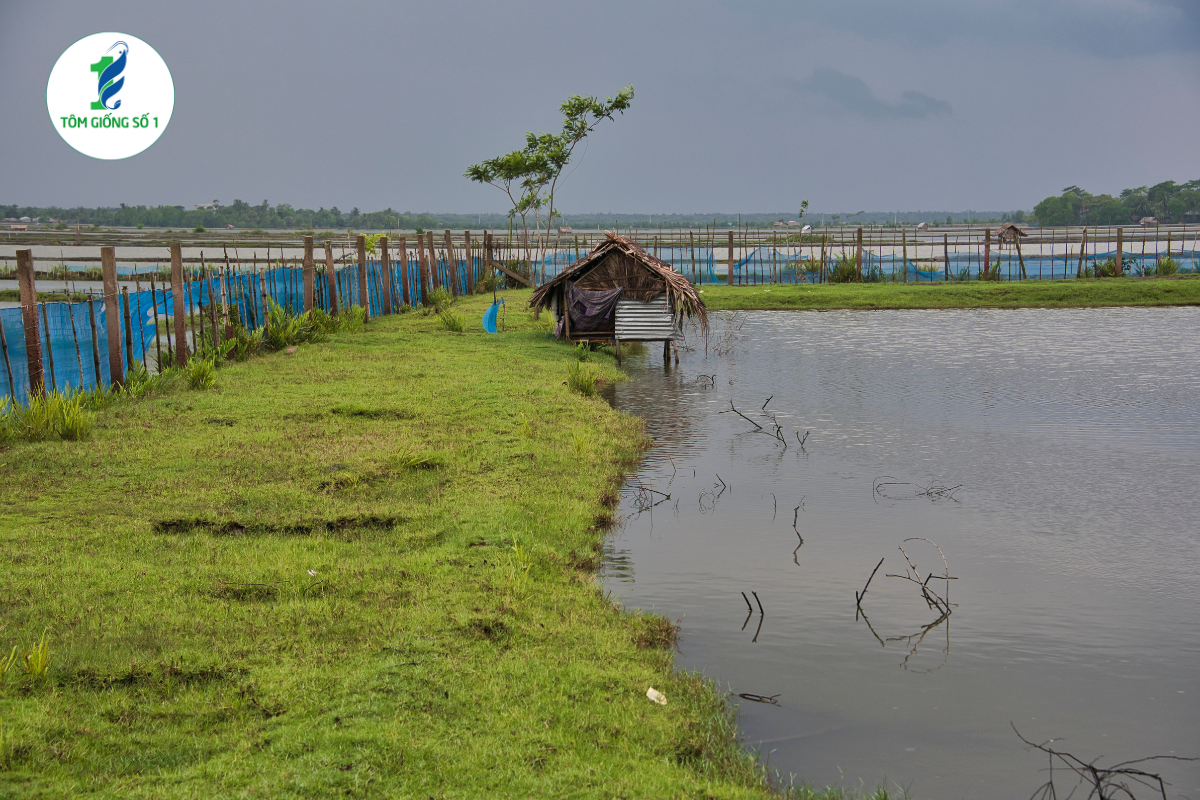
[(740, 106)]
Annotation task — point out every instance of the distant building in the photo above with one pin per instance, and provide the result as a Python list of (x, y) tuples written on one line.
[(793, 223), (806, 229), (18, 227), (25, 219), (924, 226), (777, 224), (565, 229), (228, 227), (1149, 222)]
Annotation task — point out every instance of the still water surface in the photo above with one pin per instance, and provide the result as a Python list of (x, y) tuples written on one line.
[(1074, 538)]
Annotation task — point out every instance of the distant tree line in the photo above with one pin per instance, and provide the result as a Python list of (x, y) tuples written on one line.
[(240, 214), (1167, 201)]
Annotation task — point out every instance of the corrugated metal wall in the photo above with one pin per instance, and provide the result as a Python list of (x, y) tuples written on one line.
[(645, 321)]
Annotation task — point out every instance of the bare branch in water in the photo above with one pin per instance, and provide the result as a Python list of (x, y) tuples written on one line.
[(1104, 783)]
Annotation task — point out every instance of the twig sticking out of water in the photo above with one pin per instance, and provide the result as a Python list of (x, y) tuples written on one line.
[(761, 614), (858, 596), (796, 518), (936, 491), (774, 506), (760, 698), (1104, 783), (912, 574), (740, 414), (803, 439), (769, 399)]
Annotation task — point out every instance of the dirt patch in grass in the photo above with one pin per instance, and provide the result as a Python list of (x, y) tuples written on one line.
[(254, 528)]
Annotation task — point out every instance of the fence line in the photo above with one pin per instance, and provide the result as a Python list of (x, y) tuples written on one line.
[(205, 298)]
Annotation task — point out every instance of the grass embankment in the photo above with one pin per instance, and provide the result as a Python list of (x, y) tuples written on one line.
[(1181, 290), (362, 569)]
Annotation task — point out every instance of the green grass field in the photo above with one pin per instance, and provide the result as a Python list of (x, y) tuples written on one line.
[(1181, 290), (364, 569)]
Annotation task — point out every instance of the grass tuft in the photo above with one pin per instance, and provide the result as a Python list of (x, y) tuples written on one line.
[(581, 378)]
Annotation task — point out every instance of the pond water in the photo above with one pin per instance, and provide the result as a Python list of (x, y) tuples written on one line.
[(1073, 438)]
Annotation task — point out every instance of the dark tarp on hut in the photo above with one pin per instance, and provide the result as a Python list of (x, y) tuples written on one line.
[(599, 287)]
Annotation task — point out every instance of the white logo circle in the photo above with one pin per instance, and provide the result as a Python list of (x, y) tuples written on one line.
[(110, 95)]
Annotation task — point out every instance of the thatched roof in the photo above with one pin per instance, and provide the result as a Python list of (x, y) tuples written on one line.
[(1009, 232), (618, 262)]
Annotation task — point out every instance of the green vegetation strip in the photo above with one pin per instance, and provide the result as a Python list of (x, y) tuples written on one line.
[(364, 569), (1176, 291)]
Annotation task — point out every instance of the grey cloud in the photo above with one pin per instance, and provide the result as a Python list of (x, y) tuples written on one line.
[(853, 94), (1101, 28)]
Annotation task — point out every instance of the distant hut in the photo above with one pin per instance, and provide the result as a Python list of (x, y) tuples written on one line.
[(620, 293), (1149, 222), (806, 229), (924, 226), (1008, 233)]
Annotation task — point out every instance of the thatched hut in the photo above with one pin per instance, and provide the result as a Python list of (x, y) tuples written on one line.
[(620, 293), (1008, 233)]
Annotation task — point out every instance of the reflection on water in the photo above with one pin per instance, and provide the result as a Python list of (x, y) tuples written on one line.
[(1051, 456)]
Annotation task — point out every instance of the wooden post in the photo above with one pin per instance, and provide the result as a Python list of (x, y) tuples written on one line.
[(451, 266), (987, 252), (363, 296), (49, 348), (95, 339), (470, 262), (310, 273), (402, 250), (858, 253), (128, 329), (177, 305), (226, 298), (822, 273), (1082, 250), (33, 339), (1120, 245), (435, 279), (112, 320), (1021, 258), (331, 277), (385, 262), (729, 277), (692, 251), (903, 252), (946, 253)]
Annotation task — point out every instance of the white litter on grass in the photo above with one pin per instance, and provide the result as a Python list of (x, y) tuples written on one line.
[(656, 696)]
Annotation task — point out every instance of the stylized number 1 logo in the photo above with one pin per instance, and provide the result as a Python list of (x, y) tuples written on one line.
[(109, 83)]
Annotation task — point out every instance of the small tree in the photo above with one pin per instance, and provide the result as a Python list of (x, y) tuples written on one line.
[(530, 177)]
